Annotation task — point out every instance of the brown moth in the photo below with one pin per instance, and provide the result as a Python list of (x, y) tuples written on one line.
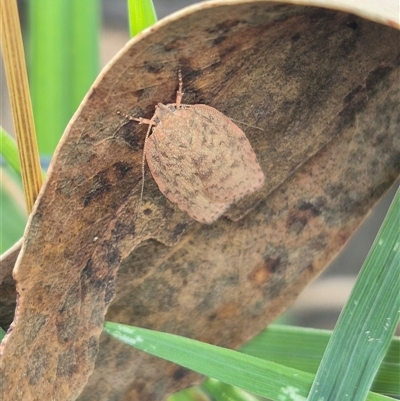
[(199, 158)]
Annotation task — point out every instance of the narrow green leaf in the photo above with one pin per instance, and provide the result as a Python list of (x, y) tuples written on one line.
[(367, 322), (9, 150), (12, 202), (63, 62), (85, 52), (260, 377), (2, 334), (48, 64), (303, 348), (264, 378), (12, 208), (300, 348), (141, 15)]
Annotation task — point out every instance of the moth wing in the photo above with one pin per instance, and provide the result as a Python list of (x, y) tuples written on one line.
[(176, 177), (202, 161), (230, 169)]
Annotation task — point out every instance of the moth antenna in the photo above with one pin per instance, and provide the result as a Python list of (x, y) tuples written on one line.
[(248, 125), (143, 168)]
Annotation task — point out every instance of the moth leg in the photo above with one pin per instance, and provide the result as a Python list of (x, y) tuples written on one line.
[(140, 120), (179, 92)]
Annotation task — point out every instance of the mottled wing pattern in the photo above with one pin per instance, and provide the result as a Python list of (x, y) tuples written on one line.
[(202, 161), (234, 170)]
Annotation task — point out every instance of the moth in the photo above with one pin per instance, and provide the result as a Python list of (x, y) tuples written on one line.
[(200, 160)]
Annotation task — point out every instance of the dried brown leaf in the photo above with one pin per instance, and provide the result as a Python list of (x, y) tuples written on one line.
[(322, 86)]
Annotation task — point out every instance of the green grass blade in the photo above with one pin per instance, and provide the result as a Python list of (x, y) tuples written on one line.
[(260, 377), (300, 348), (85, 52), (303, 349), (49, 69), (141, 15), (9, 150), (253, 374), (12, 208), (367, 322), (12, 204), (63, 62)]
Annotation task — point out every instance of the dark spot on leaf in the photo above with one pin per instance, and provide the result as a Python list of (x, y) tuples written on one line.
[(296, 221), (375, 77), (122, 230), (295, 37), (179, 229), (89, 281), (92, 347), (138, 93), (272, 264), (121, 169), (350, 96), (36, 323), (67, 363), (261, 274), (212, 317), (227, 52), (99, 186), (352, 25), (179, 374), (335, 189), (310, 267), (154, 68), (147, 211), (67, 327), (110, 291), (173, 45), (113, 255), (130, 133), (308, 206), (219, 40), (37, 365), (319, 242)]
